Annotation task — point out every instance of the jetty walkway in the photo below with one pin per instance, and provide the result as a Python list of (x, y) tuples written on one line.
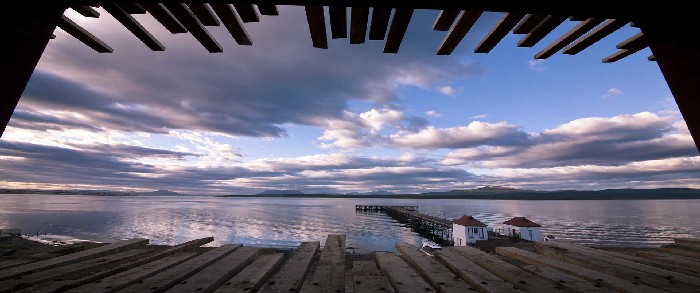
[(437, 228)]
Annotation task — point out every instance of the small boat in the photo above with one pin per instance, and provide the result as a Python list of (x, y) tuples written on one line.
[(549, 237), (430, 247)]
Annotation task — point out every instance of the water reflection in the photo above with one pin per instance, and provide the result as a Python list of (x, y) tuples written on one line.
[(286, 222)]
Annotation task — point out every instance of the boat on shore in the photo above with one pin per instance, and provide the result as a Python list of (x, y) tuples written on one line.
[(429, 247)]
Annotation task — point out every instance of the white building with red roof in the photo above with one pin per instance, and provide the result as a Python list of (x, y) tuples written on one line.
[(467, 230), (523, 228)]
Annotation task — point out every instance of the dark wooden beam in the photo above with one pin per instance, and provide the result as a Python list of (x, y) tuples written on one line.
[(530, 22), (578, 18), (380, 22), (133, 26), (445, 20), (595, 35), (359, 16), (498, 32), (317, 26), (268, 9), (633, 42), (458, 31), (162, 15), (83, 35), (185, 16), (204, 14), (621, 54), (573, 34), (26, 36), (651, 57), (232, 23), (677, 50), (339, 21), (541, 31), (132, 8), (247, 12), (399, 25), (85, 10)]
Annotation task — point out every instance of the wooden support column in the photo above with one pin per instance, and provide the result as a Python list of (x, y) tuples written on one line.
[(676, 48), (25, 37)]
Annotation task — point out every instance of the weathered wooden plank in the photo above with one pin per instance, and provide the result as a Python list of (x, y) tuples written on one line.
[(267, 9), (441, 278), (177, 274), (232, 23), (14, 263), (85, 10), (163, 15), (133, 26), (458, 31), (215, 275), (687, 241), (359, 16), (542, 30), (76, 268), (680, 251), (72, 258), (366, 277), (83, 35), (380, 22), (402, 277), (597, 277), (66, 284), (672, 259), (124, 279), (247, 12), (479, 278), (445, 20), (635, 272), (498, 32), (692, 248), (595, 35), (399, 25), (330, 269), (528, 23), (339, 21), (317, 26), (620, 54), (254, 275), (187, 19), (633, 42), (204, 13), (291, 276), (568, 282), (519, 278), (573, 34)]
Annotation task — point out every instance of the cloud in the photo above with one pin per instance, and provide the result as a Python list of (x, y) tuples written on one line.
[(612, 92), (475, 134), (433, 113), (477, 117), (450, 91), (537, 65)]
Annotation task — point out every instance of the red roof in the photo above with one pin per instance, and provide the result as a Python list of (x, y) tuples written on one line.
[(469, 221), (521, 222)]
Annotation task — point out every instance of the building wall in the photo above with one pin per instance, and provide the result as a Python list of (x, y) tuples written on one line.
[(523, 232), (462, 235)]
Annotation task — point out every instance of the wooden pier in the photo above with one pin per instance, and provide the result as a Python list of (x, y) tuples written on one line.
[(133, 266), (435, 228), (376, 208)]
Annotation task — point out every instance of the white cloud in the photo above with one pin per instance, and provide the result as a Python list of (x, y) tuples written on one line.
[(450, 91), (433, 113), (376, 119), (477, 117), (474, 134), (612, 92), (537, 65)]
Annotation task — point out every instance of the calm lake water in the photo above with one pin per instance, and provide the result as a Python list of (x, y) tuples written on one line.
[(286, 222)]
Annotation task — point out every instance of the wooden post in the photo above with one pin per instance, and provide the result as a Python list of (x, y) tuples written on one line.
[(28, 27), (675, 45)]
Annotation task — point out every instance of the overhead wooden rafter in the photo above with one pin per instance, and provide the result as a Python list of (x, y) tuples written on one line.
[(358, 24), (204, 14), (232, 23), (163, 15), (458, 31), (529, 23), (133, 26), (399, 25), (183, 14), (82, 35), (380, 22), (498, 32), (445, 20)]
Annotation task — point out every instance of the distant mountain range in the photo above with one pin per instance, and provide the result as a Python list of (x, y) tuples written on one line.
[(280, 192)]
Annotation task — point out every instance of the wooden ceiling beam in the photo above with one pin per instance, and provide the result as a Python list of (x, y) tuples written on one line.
[(83, 35), (651, 57), (530, 22), (268, 9), (317, 26), (232, 23), (628, 47), (595, 35), (399, 25), (542, 30), (445, 20), (458, 31), (498, 32), (85, 10), (339, 21), (133, 26), (247, 12), (380, 22), (183, 14), (162, 15), (131, 8), (621, 54), (633, 42), (359, 16), (204, 14), (573, 34)]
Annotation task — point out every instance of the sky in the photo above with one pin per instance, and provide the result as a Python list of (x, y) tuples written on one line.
[(283, 115)]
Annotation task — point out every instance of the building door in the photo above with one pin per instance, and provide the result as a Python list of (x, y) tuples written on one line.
[(529, 232)]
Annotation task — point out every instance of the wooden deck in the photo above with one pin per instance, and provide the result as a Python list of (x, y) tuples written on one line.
[(133, 266)]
